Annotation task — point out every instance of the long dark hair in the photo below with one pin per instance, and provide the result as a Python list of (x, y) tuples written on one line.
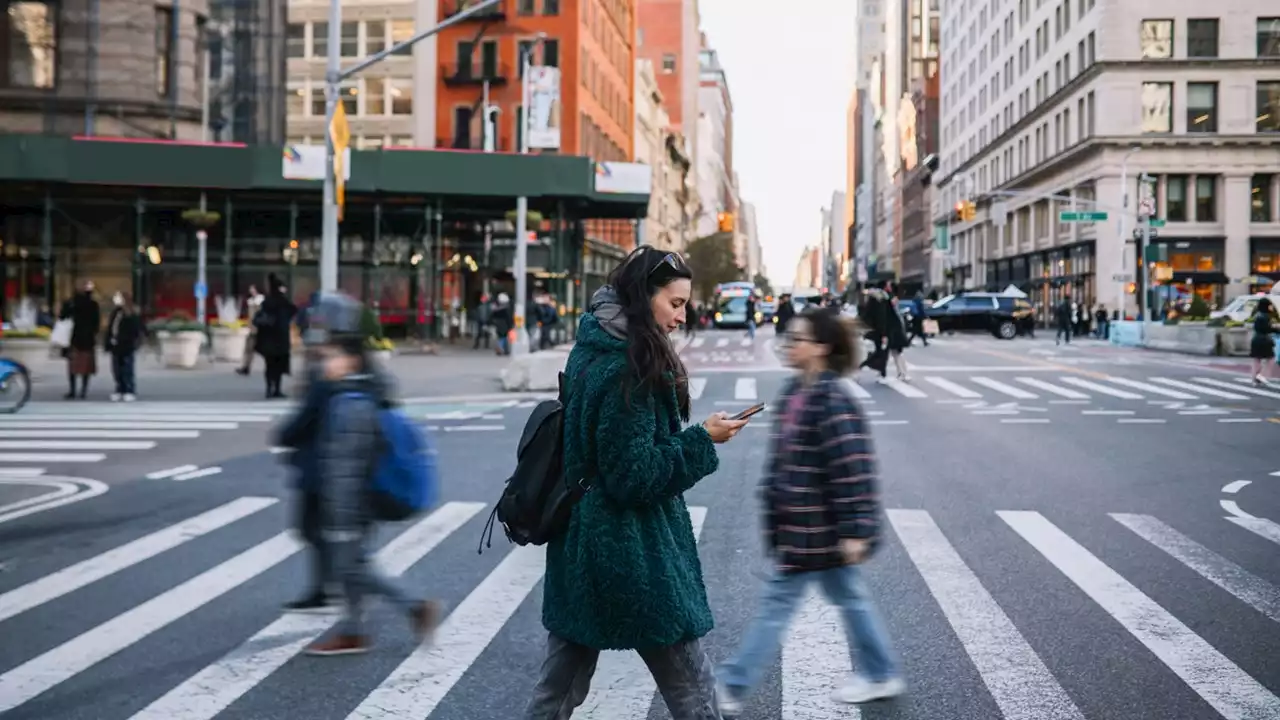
[(650, 356), (835, 332)]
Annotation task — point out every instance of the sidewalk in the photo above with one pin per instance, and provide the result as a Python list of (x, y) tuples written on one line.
[(454, 370)]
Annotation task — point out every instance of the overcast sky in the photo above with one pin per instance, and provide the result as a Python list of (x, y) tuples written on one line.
[(790, 70)]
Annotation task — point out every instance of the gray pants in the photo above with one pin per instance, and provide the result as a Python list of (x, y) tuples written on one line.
[(360, 578), (681, 671)]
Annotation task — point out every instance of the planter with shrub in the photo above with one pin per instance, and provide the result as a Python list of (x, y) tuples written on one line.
[(228, 334), (29, 347), (180, 339)]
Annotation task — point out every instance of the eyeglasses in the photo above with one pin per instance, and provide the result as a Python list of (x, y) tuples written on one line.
[(672, 260)]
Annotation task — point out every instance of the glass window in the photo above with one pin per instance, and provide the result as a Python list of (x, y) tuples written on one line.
[(1269, 37), (402, 141), (1268, 107), (319, 39), (402, 30), (525, 7), (375, 37), (296, 40), (296, 103), (164, 49), (1157, 107), (668, 62), (375, 96), (1260, 198), (350, 95), (524, 49), (1206, 198), (1157, 39), (350, 39), (31, 32), (551, 53), (401, 96), (1175, 198), (1202, 107), (317, 101), (1202, 37), (550, 7)]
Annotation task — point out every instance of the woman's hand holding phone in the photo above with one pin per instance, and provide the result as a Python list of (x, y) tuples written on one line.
[(721, 427)]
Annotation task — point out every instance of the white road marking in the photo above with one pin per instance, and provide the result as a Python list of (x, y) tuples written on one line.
[(954, 388), (1079, 382), (878, 423), (473, 428), (46, 671), (855, 389), (61, 489), (216, 687), (698, 341), (23, 508), (85, 572), (622, 687), (1026, 421), (76, 445), (722, 342), (1234, 510), (1275, 474), (744, 389), (1107, 412), (1239, 420), (1249, 390), (52, 458), (1148, 387), (417, 687), (815, 659), (696, 387), (1018, 680), (1200, 389), (1244, 585), (1261, 527), (132, 417), (165, 474), (103, 434), (1011, 391), (21, 472), (1235, 486), (1051, 388), (113, 425), (746, 342), (1222, 684), (1141, 421), (194, 474), (905, 389)]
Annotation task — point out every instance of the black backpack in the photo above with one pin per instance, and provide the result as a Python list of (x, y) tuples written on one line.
[(538, 497)]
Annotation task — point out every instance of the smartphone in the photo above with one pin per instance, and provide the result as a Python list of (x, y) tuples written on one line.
[(749, 412)]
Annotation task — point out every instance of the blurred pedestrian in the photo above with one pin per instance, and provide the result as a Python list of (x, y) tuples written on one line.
[(125, 333), (86, 318)]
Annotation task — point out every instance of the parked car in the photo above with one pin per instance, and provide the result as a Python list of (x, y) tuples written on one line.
[(1005, 316)]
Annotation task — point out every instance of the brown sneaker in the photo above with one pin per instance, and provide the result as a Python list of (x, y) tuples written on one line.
[(423, 618), (339, 645)]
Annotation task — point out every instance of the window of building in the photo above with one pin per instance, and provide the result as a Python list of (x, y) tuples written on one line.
[(1260, 198), (402, 141), (462, 126), (375, 96), (1206, 198), (668, 62), (375, 36), (296, 99), (164, 49), (551, 53), (317, 101), (369, 142), (350, 42), (1156, 37), (1268, 120), (350, 95), (402, 30), (319, 39), (1202, 38), (489, 59), (550, 7), (296, 40), (1175, 198), (519, 121), (1202, 107), (525, 7), (401, 91), (1090, 47), (1269, 37), (463, 53), (1157, 107)]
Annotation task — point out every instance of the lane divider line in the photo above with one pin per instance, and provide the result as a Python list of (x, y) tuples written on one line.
[(90, 489), (166, 474), (1235, 486), (206, 472)]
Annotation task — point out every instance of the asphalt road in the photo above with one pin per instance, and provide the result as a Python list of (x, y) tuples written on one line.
[(1070, 533)]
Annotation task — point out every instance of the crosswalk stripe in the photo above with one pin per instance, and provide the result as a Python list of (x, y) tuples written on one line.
[(1019, 682), (1220, 682), (1151, 388), (1244, 585), (905, 389), (212, 409), (215, 688), (414, 689), (51, 668), (696, 386), (722, 342), (21, 472), (76, 444), (1051, 388), (103, 434), (1011, 391), (697, 342), (114, 425), (138, 417), (52, 457), (744, 389), (1200, 389), (855, 389), (1080, 382), (622, 687), (1262, 527), (953, 388), (1250, 390), (85, 572), (815, 656)]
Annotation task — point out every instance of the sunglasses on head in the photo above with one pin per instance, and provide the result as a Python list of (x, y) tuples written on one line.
[(671, 260)]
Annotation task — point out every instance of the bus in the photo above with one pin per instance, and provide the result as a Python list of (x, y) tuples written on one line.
[(730, 302)]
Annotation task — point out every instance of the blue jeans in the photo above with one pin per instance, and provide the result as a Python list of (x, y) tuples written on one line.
[(751, 329), (762, 641), (122, 369)]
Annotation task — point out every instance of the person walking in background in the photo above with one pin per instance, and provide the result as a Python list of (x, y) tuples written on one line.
[(86, 318), (1065, 315), (625, 574), (896, 339), (125, 332), (251, 305), (821, 518), (502, 320), (1262, 347), (786, 310), (274, 340)]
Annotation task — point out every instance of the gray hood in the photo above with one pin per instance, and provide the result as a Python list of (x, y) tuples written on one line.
[(607, 307)]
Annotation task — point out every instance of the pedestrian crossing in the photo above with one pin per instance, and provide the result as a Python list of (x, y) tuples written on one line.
[(222, 671)]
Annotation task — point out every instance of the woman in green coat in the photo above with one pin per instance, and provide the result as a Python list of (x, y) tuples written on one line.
[(625, 575)]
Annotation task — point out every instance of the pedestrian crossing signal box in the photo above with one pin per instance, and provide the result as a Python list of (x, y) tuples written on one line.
[(966, 211), (725, 222)]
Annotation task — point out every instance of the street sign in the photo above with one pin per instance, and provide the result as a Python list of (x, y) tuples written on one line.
[(1122, 277), (1156, 222), (202, 291), (1072, 216)]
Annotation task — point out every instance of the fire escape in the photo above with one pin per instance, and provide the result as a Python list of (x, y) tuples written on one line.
[(476, 64)]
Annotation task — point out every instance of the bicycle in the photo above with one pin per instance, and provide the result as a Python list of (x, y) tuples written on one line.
[(15, 386)]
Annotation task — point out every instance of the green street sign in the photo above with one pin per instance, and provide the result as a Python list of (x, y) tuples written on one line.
[(1069, 216), (1156, 222)]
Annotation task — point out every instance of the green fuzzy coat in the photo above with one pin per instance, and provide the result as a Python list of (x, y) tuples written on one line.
[(626, 574)]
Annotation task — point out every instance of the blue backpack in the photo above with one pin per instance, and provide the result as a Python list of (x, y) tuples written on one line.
[(406, 480)]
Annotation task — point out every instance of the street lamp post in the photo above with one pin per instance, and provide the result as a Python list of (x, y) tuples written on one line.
[(1124, 241), (334, 76), (521, 263)]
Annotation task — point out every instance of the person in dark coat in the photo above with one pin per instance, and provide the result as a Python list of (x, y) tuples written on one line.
[(82, 360), (125, 332), (786, 310), (274, 342)]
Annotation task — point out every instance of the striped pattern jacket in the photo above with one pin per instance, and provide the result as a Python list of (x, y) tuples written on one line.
[(820, 486)]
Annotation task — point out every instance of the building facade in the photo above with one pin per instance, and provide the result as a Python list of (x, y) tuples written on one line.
[(667, 35), (1163, 109), (809, 268), (716, 187), (751, 233), (657, 147), (248, 71)]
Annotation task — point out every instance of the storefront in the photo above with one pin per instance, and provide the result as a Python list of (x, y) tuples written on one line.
[(1264, 262), (1048, 277), (1194, 268)]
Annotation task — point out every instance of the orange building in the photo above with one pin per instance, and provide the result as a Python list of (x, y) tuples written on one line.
[(589, 40)]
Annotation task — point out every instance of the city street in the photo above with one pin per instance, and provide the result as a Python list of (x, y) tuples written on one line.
[(1070, 532)]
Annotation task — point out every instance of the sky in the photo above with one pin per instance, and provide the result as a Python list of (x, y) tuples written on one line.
[(790, 71)]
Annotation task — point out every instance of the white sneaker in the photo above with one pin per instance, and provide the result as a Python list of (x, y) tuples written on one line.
[(861, 690), (130, 397), (115, 397), (729, 707)]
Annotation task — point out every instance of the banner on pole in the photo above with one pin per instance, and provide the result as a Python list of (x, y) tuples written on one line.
[(544, 104), (340, 133)]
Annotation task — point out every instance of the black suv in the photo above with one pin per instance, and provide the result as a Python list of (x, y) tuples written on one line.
[(1005, 316)]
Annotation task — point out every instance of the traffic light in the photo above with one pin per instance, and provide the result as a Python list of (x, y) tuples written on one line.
[(958, 215), (725, 221), (966, 211)]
